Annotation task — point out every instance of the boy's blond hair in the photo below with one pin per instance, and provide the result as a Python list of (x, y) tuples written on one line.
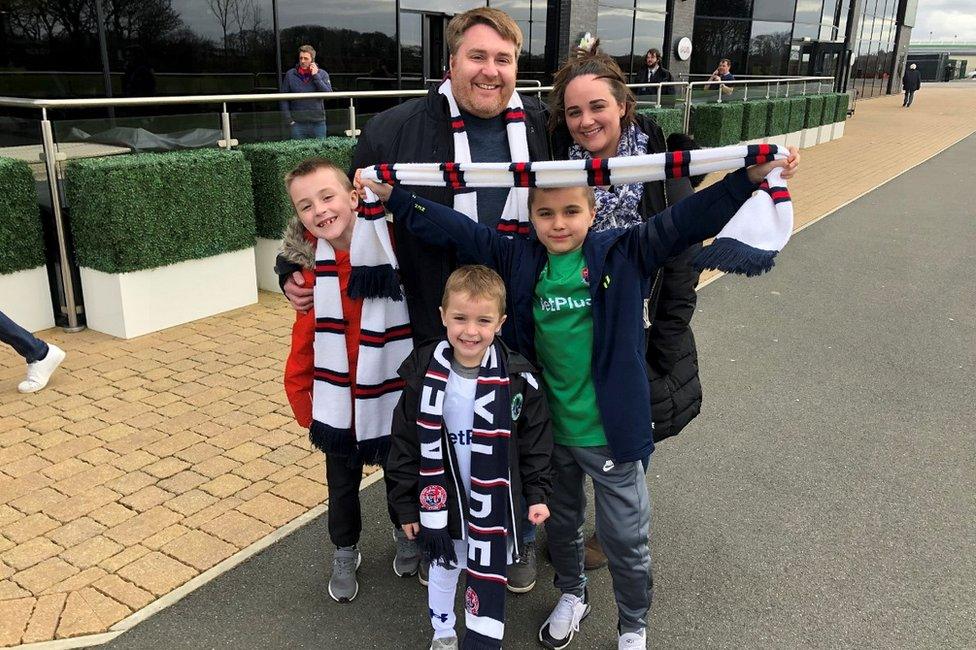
[(587, 191), (497, 19), (477, 281), (312, 165)]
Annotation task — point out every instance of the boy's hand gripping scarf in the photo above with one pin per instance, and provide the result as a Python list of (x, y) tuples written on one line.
[(747, 244), (385, 341), (488, 513)]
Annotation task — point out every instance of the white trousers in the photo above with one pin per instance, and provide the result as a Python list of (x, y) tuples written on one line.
[(441, 588)]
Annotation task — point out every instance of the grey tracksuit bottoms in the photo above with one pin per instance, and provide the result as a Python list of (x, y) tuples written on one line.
[(623, 519)]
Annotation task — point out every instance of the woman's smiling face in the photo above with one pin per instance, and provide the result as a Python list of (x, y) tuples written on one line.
[(593, 115)]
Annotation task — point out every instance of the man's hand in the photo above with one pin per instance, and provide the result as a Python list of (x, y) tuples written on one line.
[(297, 293), (538, 513), (789, 164), (314, 68), (411, 530)]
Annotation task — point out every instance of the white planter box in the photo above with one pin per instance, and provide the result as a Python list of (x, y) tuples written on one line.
[(25, 298), (778, 140), (132, 304), (265, 252), (808, 137), (794, 139), (825, 133), (838, 130)]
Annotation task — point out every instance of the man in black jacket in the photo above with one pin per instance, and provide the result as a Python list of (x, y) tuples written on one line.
[(655, 73), (484, 44), (910, 83)]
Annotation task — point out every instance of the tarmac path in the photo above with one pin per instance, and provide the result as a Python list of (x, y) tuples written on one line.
[(824, 498)]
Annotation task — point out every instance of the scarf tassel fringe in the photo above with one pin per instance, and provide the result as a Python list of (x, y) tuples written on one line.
[(732, 256), (341, 442), (476, 641), (437, 545), (375, 282)]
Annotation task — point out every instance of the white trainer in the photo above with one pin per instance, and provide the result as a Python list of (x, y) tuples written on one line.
[(632, 641), (564, 621), (39, 372)]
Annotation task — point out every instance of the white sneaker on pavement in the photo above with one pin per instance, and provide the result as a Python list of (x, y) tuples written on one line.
[(632, 641), (564, 621), (39, 372)]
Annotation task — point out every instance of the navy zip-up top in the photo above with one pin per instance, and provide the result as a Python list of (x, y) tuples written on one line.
[(620, 263)]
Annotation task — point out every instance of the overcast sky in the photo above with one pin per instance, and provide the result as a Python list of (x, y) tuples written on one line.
[(945, 19)]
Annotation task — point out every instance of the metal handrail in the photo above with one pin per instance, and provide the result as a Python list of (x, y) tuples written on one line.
[(770, 84), (50, 153)]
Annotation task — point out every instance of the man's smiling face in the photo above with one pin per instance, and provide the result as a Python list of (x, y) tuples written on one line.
[(483, 72)]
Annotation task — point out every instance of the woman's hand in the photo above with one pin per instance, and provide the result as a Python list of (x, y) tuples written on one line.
[(382, 190), (789, 165)]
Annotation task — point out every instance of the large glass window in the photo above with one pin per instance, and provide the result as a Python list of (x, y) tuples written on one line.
[(809, 11), (724, 8), (648, 33), (616, 30), (717, 39), (769, 48), (781, 10), (351, 39)]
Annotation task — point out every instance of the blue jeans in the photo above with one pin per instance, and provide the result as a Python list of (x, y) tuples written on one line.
[(26, 344), (302, 130)]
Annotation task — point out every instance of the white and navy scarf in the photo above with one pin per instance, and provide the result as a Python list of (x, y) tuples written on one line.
[(747, 244), (617, 206), (515, 214), (384, 342), (488, 508)]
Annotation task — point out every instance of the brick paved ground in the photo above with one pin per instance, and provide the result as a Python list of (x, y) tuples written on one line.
[(148, 461)]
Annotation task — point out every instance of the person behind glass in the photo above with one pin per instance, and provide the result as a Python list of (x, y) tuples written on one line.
[(655, 73), (722, 73), (593, 116), (484, 45), (42, 358), (305, 117), (910, 83)]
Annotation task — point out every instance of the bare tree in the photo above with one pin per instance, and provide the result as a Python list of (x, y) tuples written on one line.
[(222, 9)]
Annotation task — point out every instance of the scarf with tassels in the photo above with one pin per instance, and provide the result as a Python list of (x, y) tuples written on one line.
[(488, 510), (747, 244), (617, 206), (355, 420)]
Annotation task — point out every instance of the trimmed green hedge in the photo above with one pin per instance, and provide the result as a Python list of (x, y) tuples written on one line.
[(755, 118), (798, 113), (717, 125), (815, 105), (671, 120), (271, 161), (778, 119), (21, 241), (843, 101), (829, 108), (143, 211)]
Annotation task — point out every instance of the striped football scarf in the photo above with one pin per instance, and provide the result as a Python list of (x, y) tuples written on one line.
[(488, 512), (384, 342), (747, 244)]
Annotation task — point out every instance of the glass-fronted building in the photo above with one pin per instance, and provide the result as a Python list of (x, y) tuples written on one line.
[(95, 48)]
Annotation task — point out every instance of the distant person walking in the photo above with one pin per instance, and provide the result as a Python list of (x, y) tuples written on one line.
[(910, 83), (42, 358), (305, 117)]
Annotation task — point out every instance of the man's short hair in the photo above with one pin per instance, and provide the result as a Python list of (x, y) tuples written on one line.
[(587, 191), (309, 49), (478, 282), (497, 19), (729, 61), (312, 165), (656, 52)]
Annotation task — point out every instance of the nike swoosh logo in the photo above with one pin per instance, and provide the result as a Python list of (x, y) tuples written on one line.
[(607, 466)]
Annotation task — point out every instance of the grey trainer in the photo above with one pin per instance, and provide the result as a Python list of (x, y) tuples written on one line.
[(343, 586), (446, 643), (423, 572), (521, 575), (407, 556)]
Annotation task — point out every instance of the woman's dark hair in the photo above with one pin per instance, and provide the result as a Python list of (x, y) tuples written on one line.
[(595, 62)]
